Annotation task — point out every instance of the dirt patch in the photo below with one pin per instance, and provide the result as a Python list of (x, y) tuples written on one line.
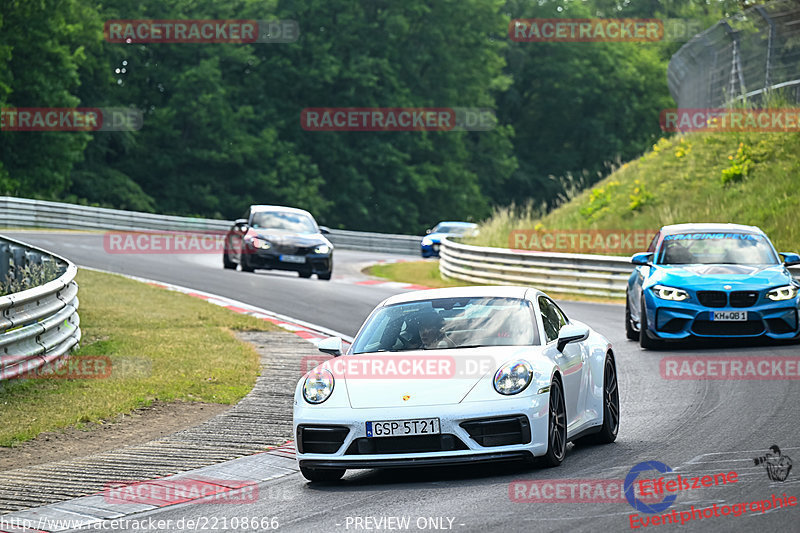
[(143, 425)]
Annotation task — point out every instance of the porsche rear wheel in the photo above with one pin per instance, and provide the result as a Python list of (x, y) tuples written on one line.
[(556, 426), (327, 474), (608, 431)]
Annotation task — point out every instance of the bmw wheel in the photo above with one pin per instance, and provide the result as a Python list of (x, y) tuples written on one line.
[(644, 339), (630, 333)]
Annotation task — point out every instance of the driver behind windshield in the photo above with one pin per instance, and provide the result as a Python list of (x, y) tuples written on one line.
[(431, 335)]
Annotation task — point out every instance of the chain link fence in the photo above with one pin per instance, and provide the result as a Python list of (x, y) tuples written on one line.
[(740, 57)]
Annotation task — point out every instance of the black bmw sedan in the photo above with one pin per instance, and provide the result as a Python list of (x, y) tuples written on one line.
[(280, 238)]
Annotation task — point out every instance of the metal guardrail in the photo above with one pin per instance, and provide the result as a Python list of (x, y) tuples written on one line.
[(40, 325), (27, 213), (595, 275), (740, 57), (585, 274)]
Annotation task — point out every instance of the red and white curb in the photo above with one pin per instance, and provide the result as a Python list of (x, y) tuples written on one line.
[(306, 330)]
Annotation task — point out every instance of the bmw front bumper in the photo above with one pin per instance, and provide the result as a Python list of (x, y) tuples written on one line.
[(669, 320)]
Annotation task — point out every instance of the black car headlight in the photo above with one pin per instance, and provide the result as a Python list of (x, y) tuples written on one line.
[(322, 249), (261, 244)]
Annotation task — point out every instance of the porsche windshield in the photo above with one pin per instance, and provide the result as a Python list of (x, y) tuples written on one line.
[(449, 323), (284, 221), (716, 248)]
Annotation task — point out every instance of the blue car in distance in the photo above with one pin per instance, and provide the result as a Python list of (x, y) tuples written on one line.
[(431, 242), (711, 280)]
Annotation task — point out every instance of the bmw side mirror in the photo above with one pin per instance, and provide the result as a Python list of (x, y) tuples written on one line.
[(571, 333), (325, 230), (790, 259), (643, 258), (331, 345)]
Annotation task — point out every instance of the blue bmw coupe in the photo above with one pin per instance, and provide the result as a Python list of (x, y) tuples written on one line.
[(711, 280)]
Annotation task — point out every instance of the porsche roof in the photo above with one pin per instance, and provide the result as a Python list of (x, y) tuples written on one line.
[(715, 227), (487, 290)]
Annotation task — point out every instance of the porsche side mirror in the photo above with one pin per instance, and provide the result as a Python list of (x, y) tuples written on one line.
[(642, 259), (428, 231), (571, 333), (331, 345), (790, 259), (240, 223), (325, 230)]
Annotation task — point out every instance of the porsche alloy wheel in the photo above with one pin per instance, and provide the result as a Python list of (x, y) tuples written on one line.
[(556, 426)]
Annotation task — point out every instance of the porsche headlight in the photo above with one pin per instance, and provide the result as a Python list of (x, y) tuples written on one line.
[(512, 378), (322, 249), (260, 243), (782, 293), (427, 241), (318, 386), (670, 293)]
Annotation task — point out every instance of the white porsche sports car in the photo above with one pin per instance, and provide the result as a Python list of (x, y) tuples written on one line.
[(454, 376)]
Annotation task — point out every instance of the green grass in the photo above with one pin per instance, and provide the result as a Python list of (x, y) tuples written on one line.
[(162, 345), (743, 178), (424, 273)]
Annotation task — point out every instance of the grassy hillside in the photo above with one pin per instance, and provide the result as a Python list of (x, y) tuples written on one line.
[(745, 178)]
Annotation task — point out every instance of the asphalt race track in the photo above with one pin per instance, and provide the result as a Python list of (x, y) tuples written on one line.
[(697, 427)]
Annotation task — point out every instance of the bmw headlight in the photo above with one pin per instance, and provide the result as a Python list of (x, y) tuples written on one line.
[(260, 243), (512, 378), (322, 249), (427, 241), (670, 293), (318, 386), (782, 293)]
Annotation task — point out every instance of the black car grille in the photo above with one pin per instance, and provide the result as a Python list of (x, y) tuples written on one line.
[(712, 298), (292, 250), (744, 298), (413, 444), (320, 439), (500, 431), (710, 327)]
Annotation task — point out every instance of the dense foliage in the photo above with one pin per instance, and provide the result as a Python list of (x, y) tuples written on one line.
[(222, 121)]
